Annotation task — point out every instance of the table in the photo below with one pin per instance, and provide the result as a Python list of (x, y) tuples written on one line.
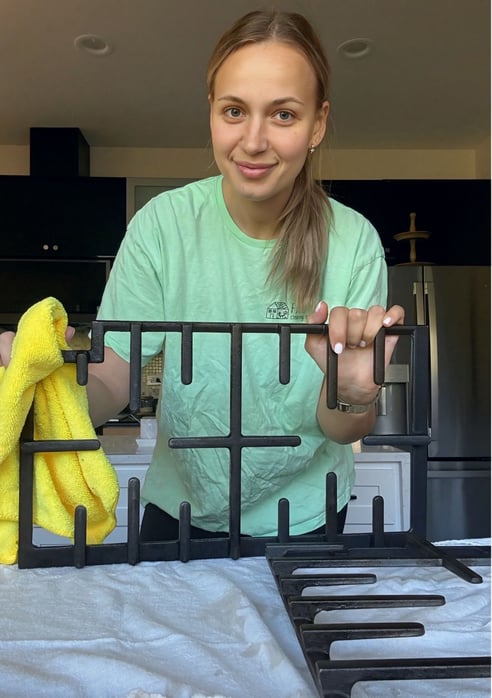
[(204, 628)]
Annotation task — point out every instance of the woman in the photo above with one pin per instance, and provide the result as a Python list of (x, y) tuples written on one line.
[(235, 248)]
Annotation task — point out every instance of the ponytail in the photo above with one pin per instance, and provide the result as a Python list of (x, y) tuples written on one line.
[(299, 256)]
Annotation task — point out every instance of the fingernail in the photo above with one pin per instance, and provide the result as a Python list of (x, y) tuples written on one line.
[(387, 321), (317, 307), (362, 343), (338, 348)]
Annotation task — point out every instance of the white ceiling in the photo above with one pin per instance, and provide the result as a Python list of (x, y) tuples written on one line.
[(426, 84)]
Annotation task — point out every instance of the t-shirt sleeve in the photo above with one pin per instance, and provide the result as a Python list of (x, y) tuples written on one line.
[(135, 286), (357, 275), (369, 281)]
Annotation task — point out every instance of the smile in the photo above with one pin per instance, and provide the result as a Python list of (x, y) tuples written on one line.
[(253, 170)]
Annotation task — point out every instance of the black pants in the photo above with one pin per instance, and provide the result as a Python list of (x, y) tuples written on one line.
[(158, 525)]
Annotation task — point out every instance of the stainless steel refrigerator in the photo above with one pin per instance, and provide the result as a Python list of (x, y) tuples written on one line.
[(455, 303)]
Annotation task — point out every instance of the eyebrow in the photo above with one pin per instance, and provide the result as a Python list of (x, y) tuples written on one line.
[(274, 102)]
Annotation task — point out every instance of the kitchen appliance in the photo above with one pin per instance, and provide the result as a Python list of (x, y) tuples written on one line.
[(77, 283), (56, 151), (454, 302)]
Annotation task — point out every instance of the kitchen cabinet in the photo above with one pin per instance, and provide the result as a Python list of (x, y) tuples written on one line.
[(455, 212), (380, 473), (61, 217), (58, 237), (385, 473), (126, 466)]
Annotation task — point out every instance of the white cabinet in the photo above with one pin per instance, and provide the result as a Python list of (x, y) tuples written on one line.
[(126, 466), (384, 473), (378, 472)]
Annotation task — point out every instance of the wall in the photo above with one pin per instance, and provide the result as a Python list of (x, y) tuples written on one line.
[(483, 160), (341, 164), (336, 164), (14, 159)]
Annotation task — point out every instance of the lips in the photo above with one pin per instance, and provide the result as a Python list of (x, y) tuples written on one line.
[(253, 170)]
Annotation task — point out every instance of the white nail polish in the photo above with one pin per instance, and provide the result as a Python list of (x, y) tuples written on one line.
[(363, 344), (318, 307), (338, 348), (386, 321)]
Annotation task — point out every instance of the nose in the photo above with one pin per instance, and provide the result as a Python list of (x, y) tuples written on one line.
[(254, 138)]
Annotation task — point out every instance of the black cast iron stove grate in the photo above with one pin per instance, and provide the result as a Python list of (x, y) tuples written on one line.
[(285, 553), (335, 678)]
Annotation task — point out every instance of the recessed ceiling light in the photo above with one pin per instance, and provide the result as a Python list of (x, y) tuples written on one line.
[(355, 48), (92, 43)]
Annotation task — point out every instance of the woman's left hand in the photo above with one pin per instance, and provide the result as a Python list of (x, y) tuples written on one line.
[(351, 335)]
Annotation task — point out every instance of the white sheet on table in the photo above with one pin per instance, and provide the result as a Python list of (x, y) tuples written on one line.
[(206, 627), (209, 628)]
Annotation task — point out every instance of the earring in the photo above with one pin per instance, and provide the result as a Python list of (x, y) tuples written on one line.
[(312, 149)]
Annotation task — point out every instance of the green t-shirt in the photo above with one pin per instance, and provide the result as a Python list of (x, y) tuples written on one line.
[(184, 259)]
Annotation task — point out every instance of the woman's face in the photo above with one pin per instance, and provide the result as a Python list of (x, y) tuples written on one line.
[(264, 117)]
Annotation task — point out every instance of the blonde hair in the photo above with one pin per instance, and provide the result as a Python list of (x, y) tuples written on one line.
[(299, 255)]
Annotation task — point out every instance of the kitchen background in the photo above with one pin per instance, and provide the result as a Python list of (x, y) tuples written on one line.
[(105, 120)]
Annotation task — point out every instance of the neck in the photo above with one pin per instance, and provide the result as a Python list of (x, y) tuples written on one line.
[(257, 219)]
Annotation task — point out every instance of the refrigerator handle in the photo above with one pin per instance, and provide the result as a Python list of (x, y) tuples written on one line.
[(418, 294), (430, 297)]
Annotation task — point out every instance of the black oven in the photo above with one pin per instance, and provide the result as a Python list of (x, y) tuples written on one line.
[(77, 284)]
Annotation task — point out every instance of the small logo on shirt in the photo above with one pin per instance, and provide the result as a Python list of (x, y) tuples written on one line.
[(279, 310)]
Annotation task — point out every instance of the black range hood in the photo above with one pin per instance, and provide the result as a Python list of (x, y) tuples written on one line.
[(58, 152), (59, 227)]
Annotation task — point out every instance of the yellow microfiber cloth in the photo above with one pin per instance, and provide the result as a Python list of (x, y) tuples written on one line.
[(62, 480)]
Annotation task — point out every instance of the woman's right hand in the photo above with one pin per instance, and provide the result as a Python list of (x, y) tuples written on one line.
[(108, 384), (7, 339)]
